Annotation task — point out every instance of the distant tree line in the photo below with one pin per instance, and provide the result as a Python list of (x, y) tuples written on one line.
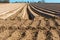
[(7, 1), (4, 1), (43, 1)]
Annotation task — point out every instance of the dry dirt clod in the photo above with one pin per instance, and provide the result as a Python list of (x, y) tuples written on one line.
[(55, 34), (29, 35), (51, 23), (15, 35), (41, 35), (5, 34), (58, 21)]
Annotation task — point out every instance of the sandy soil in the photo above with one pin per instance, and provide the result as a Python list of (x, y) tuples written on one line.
[(22, 21)]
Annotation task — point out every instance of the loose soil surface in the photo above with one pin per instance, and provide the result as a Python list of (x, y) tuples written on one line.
[(23, 21)]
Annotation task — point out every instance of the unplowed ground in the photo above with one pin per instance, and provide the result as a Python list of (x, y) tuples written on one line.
[(29, 23)]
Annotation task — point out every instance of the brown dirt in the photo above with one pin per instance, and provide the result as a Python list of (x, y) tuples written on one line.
[(39, 28)]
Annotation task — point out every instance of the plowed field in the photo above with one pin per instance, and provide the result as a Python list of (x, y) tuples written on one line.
[(23, 21)]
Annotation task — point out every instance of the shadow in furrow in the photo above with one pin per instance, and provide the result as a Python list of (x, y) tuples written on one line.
[(23, 34), (35, 36), (31, 16), (48, 35)]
